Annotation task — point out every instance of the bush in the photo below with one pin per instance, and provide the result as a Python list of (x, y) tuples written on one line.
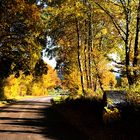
[(89, 92), (17, 86), (133, 95), (38, 89), (24, 85), (30, 85), (111, 115)]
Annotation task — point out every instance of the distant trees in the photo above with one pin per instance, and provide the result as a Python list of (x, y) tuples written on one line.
[(81, 30)]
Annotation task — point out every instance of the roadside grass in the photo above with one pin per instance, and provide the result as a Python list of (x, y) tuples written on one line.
[(5, 101), (83, 105), (59, 96), (9, 100)]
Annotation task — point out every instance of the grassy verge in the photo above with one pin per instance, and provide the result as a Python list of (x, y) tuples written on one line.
[(5, 101), (86, 115)]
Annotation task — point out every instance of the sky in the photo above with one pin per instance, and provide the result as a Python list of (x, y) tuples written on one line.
[(115, 57), (51, 62)]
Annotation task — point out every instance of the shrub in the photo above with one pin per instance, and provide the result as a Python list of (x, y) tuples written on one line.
[(12, 86), (29, 85), (38, 89), (133, 95), (111, 115)]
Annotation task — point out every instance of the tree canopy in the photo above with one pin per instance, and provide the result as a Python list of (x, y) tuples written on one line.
[(20, 35), (88, 31), (80, 34)]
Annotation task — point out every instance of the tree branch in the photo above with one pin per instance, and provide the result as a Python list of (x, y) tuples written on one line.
[(117, 26)]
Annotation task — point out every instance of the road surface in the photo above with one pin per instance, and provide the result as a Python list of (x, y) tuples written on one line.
[(35, 119)]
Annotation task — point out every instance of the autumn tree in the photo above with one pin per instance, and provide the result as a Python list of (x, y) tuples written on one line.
[(78, 27), (37, 85), (21, 30), (102, 75), (51, 79), (21, 37), (72, 34), (125, 17)]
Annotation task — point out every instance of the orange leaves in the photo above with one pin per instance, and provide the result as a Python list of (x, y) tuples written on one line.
[(35, 13), (51, 79)]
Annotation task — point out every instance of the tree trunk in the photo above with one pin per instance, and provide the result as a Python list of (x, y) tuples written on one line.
[(89, 47), (98, 76), (136, 45), (85, 64), (78, 55), (127, 50)]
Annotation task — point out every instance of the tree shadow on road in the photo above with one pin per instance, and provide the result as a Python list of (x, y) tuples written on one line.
[(37, 118), (42, 118)]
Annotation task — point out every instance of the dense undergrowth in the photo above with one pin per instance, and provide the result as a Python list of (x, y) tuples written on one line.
[(96, 105), (91, 110), (87, 115)]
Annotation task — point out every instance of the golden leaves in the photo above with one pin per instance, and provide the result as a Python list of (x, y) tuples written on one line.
[(104, 31)]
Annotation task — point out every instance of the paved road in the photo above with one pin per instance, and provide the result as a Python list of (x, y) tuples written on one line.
[(35, 119)]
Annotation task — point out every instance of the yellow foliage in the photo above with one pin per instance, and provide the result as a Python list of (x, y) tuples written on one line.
[(27, 85), (72, 82), (104, 31), (110, 115), (89, 92), (17, 86), (103, 69), (108, 80), (50, 80), (38, 90)]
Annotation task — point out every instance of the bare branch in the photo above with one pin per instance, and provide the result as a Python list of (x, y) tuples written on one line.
[(124, 6)]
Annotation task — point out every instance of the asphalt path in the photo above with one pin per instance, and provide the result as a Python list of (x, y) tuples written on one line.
[(35, 119)]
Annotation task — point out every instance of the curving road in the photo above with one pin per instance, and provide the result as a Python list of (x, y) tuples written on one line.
[(35, 119)]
